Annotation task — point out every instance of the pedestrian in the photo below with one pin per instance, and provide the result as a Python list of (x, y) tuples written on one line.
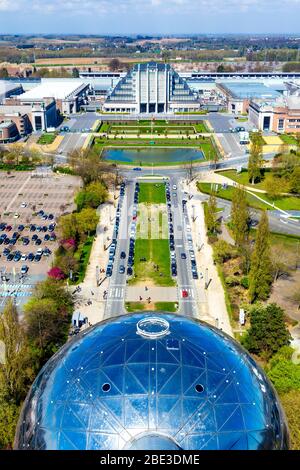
[(146, 288), (141, 298)]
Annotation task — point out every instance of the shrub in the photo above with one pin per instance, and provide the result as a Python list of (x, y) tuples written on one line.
[(245, 282)]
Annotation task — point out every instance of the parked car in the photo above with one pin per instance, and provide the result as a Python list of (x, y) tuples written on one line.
[(24, 269)]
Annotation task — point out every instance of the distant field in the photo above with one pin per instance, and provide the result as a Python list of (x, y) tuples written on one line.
[(84, 60)]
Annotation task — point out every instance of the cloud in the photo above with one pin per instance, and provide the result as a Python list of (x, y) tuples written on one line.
[(132, 6)]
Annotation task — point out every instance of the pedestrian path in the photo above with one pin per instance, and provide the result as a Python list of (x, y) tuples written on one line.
[(156, 294)]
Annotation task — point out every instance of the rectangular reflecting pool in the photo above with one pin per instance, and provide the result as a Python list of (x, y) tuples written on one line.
[(147, 156)]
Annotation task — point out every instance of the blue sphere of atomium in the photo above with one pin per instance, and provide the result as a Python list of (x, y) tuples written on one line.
[(151, 381)]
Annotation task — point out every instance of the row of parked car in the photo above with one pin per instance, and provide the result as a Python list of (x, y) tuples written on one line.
[(130, 261), (31, 227), (113, 246), (171, 229), (191, 250), (18, 256)]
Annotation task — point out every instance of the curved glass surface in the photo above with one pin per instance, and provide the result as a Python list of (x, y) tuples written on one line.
[(113, 388)]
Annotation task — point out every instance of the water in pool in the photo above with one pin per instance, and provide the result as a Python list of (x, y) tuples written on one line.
[(150, 155)]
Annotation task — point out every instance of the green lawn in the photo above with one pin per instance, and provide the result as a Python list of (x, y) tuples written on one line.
[(288, 139), (284, 203), (290, 242), (141, 306), (134, 306), (166, 306), (83, 255), (152, 193), (157, 127), (241, 178), (46, 139), (201, 127), (228, 193), (156, 252)]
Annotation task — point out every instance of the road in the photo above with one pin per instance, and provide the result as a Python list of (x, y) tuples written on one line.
[(185, 281), (117, 282)]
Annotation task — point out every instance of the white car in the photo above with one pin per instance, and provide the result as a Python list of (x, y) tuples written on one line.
[(174, 187), (23, 205), (39, 251), (16, 215), (24, 257)]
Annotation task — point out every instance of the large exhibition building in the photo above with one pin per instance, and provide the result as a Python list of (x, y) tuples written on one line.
[(152, 381), (151, 88)]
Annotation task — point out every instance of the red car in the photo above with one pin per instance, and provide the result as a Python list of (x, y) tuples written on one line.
[(8, 228), (185, 294)]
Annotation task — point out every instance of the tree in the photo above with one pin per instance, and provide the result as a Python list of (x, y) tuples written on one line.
[(166, 55), (114, 65), (284, 165), (75, 72), (56, 273), (295, 180), (240, 225), (210, 215), (260, 277), (15, 372), (47, 316), (291, 405), (4, 73), (268, 332), (87, 221), (67, 263), (92, 195), (223, 251), (255, 158), (86, 164), (284, 374), (67, 226), (282, 260), (9, 414), (275, 186)]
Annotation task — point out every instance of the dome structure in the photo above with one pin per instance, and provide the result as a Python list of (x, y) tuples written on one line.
[(151, 381)]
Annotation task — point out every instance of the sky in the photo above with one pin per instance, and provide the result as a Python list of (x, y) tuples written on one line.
[(149, 16)]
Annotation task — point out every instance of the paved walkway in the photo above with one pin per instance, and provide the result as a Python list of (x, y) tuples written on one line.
[(212, 177), (90, 300), (156, 293), (216, 311)]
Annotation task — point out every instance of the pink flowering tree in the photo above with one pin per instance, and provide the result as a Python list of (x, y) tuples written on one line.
[(56, 273)]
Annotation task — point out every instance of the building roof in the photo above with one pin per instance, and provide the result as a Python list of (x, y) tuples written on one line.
[(57, 90), (248, 90), (5, 124), (151, 381)]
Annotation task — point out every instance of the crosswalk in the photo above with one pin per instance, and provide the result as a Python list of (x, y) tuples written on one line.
[(16, 286), (15, 293), (116, 293), (190, 291)]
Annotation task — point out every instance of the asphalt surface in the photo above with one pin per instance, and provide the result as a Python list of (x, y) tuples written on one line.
[(117, 282)]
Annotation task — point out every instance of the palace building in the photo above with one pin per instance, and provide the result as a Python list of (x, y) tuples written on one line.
[(151, 88)]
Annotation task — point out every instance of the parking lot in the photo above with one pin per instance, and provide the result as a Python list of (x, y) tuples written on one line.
[(30, 204)]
